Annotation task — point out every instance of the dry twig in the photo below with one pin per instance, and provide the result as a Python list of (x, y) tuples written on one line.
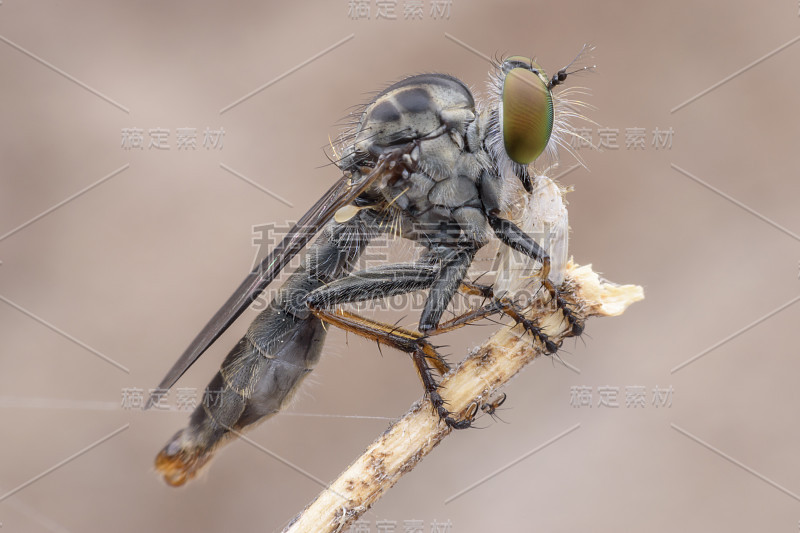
[(407, 441)]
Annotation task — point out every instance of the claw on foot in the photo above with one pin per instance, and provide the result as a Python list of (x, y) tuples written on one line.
[(493, 404), (438, 405)]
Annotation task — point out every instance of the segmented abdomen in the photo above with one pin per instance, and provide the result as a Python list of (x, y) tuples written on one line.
[(260, 374)]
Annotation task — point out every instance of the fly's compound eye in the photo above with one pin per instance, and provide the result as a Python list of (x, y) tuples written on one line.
[(527, 113), (516, 62)]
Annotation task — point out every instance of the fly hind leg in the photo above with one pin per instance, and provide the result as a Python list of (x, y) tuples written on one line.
[(386, 281), (413, 343)]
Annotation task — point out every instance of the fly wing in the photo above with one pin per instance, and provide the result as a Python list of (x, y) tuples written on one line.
[(342, 193), (542, 215), (552, 225)]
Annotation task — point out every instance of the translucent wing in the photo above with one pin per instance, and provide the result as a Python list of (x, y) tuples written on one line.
[(340, 194), (542, 215), (552, 225)]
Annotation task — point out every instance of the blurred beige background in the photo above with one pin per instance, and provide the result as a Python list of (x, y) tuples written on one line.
[(135, 266)]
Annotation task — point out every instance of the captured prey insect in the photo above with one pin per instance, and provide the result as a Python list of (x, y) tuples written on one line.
[(426, 159)]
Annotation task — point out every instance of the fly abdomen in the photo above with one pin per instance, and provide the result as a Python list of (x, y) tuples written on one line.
[(255, 381), (264, 369)]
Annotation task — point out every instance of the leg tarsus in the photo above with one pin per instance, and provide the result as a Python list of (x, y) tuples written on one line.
[(536, 332), (491, 407), (432, 391), (576, 327)]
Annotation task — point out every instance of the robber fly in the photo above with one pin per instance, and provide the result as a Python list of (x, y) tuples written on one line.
[(433, 165)]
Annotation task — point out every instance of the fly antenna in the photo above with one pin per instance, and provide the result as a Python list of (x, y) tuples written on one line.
[(561, 76)]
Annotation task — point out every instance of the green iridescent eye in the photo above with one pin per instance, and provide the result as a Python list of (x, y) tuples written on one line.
[(527, 112), (517, 61)]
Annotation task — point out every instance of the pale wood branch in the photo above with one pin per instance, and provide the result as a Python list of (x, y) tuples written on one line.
[(477, 378)]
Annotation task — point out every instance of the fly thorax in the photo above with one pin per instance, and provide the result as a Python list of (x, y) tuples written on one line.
[(438, 157), (409, 191), (410, 110)]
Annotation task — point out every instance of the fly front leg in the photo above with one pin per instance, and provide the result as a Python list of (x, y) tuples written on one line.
[(510, 234), (496, 306)]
